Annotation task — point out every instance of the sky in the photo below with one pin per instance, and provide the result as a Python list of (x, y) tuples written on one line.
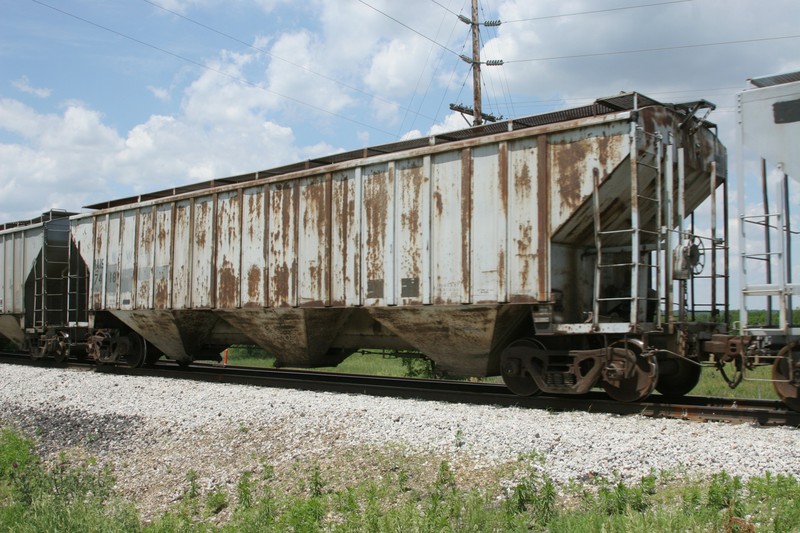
[(101, 100), (105, 99)]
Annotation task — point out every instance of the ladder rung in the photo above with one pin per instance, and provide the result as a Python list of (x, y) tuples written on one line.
[(615, 265)]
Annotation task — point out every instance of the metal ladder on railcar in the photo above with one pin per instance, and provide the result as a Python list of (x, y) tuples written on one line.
[(778, 283), (77, 304), (646, 167), (50, 290)]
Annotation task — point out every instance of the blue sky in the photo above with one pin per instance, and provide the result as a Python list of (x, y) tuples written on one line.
[(103, 99)]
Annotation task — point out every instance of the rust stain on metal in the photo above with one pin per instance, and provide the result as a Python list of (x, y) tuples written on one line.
[(437, 202), (328, 239), (145, 257), (569, 160), (524, 244), (376, 203), (281, 280), (501, 267), (466, 218), (253, 286), (314, 220), (502, 162), (253, 213), (282, 244), (228, 285), (543, 215), (412, 189), (343, 208), (161, 293), (201, 215), (99, 239), (522, 182)]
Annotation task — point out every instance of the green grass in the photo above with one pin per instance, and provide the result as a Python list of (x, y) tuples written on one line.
[(373, 363), (65, 496), (753, 386), (403, 495), (377, 364)]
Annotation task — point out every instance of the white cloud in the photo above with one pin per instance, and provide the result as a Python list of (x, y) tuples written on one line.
[(159, 92), (24, 85), (74, 158), (307, 53)]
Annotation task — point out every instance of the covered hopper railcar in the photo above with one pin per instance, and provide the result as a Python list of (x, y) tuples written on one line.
[(558, 250)]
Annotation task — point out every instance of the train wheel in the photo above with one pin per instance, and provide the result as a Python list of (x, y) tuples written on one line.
[(35, 350), (62, 347), (515, 376), (629, 376), (677, 377), (136, 351), (786, 376)]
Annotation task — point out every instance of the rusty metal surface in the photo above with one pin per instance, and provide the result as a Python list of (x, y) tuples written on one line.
[(468, 227)]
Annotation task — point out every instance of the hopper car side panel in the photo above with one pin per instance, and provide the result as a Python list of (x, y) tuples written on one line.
[(468, 224), (450, 249)]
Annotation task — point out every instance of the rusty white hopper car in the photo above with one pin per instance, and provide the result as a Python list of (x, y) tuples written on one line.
[(559, 251)]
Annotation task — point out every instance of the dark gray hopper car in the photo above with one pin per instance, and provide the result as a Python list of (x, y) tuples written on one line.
[(43, 305)]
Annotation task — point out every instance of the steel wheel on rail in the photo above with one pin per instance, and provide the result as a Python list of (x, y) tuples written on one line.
[(512, 364), (677, 377), (786, 375), (61, 350), (630, 375), (34, 349), (136, 351)]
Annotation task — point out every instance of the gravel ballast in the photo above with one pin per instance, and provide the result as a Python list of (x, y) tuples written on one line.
[(152, 431)]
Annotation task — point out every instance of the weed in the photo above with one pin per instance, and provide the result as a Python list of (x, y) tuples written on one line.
[(244, 490), (316, 483), (193, 491), (216, 501), (418, 367), (724, 492), (459, 438)]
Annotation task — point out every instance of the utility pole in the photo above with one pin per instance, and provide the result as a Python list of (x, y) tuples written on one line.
[(475, 62), (476, 66)]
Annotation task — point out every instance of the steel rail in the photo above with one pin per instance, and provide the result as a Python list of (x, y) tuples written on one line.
[(697, 408)]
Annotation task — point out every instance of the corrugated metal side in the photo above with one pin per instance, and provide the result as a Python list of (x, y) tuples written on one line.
[(346, 238), (253, 251), (202, 274), (449, 233), (313, 244), (143, 292), (412, 261), (283, 244), (521, 265), (178, 271), (128, 261), (228, 250), (20, 248), (378, 224), (465, 224)]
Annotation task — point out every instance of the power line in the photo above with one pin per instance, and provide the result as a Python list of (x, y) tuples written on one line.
[(545, 17), (445, 7), (212, 69), (660, 49), (403, 24)]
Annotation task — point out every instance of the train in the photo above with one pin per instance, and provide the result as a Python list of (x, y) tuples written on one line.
[(578, 249)]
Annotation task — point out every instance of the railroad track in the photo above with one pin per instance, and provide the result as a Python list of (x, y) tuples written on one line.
[(762, 412)]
